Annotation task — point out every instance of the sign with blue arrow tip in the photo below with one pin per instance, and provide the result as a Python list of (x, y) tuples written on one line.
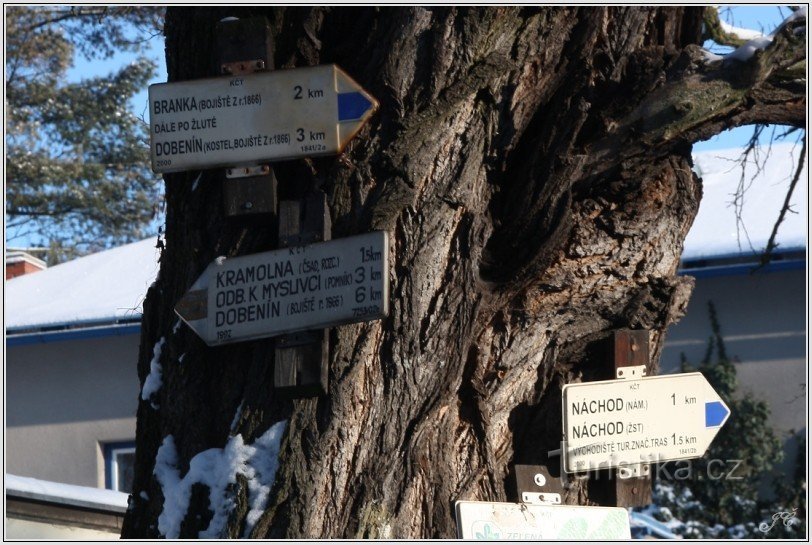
[(255, 118), (617, 423)]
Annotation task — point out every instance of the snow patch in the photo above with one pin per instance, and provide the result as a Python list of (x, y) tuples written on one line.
[(153, 381), (756, 41), (740, 33), (218, 470), (236, 419), (746, 51), (194, 184)]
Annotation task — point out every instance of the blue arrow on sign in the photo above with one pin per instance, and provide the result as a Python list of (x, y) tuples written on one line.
[(352, 106), (715, 414)]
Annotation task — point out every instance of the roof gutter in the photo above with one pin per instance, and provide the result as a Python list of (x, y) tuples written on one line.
[(39, 337)]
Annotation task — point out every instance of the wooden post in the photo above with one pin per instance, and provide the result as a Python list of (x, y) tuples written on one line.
[(631, 349), (300, 359), (244, 46), (627, 349)]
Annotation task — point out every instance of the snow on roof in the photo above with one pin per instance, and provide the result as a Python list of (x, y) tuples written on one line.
[(101, 288), (66, 494), (716, 232)]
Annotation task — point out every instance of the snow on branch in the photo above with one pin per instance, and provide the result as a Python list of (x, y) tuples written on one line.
[(743, 34), (726, 34)]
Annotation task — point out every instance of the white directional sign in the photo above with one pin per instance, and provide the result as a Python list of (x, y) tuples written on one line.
[(293, 289), (264, 116), (615, 423), (514, 521)]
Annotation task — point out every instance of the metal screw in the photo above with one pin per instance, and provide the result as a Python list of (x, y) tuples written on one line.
[(248, 206), (634, 490), (260, 64), (539, 479), (620, 373)]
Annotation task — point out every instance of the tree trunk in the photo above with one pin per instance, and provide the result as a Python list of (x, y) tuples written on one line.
[(532, 168)]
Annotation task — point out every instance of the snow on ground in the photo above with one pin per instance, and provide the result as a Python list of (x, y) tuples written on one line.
[(218, 469), (105, 286), (716, 232), (81, 496)]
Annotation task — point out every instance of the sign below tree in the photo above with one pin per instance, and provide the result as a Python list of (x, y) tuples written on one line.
[(514, 521), (264, 116), (616, 423), (293, 289)]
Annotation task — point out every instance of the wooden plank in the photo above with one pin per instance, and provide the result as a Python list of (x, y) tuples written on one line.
[(300, 360)]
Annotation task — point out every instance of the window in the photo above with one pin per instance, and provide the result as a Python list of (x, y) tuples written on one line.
[(119, 462)]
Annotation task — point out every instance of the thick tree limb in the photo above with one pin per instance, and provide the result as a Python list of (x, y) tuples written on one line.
[(694, 100)]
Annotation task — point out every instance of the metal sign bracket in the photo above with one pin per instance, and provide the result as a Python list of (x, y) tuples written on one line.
[(536, 486), (541, 499), (630, 373)]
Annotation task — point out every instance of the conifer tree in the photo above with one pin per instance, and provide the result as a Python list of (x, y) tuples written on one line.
[(77, 172)]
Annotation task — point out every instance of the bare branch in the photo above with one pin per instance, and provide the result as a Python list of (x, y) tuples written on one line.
[(771, 244)]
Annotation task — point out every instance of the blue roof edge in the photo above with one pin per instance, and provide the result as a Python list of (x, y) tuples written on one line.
[(41, 337), (744, 269)]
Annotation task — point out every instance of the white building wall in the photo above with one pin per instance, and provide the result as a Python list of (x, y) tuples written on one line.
[(63, 401)]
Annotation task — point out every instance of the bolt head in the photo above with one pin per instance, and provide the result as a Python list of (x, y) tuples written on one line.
[(539, 479)]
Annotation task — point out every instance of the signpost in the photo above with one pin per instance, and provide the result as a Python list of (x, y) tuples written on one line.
[(263, 116), (618, 423), (513, 521), (288, 290)]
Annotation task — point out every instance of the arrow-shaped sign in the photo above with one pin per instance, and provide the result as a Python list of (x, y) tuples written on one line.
[(264, 116), (615, 423), (293, 289)]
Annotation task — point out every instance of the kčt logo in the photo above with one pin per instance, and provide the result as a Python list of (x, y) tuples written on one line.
[(485, 529)]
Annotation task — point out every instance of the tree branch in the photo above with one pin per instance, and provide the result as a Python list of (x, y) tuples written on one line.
[(723, 34), (693, 99), (771, 244)]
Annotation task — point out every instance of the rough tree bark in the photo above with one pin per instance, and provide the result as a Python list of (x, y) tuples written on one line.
[(532, 166)]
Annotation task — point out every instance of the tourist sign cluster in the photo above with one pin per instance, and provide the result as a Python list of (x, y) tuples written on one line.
[(617, 423), (264, 116), (514, 521), (288, 290)]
